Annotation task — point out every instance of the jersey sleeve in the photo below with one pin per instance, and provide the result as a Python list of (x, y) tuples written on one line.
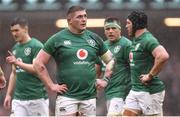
[(151, 44), (102, 47), (49, 46)]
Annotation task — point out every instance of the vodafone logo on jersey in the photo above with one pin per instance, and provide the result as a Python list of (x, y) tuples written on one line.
[(82, 54)]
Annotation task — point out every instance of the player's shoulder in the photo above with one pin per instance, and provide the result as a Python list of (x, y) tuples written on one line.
[(149, 36), (60, 34), (126, 41), (93, 36), (150, 39)]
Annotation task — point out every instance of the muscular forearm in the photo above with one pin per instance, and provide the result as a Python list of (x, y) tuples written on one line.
[(109, 68), (98, 71), (158, 65), (160, 60), (12, 83), (161, 56), (42, 73)]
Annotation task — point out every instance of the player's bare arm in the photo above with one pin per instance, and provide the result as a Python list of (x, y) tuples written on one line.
[(161, 56), (10, 90), (109, 60), (11, 59), (2, 79), (39, 65)]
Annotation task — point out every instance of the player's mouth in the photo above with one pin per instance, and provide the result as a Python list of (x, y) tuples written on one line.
[(110, 36), (84, 25)]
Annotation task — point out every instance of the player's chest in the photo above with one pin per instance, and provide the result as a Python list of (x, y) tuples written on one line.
[(23, 53), (75, 46), (138, 52)]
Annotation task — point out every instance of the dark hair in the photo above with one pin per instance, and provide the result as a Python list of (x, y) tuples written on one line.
[(139, 20), (112, 19), (73, 9), (19, 20)]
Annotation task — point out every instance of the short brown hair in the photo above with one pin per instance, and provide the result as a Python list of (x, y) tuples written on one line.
[(73, 9), (112, 19), (19, 20)]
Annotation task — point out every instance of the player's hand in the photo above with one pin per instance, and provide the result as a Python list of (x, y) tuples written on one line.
[(101, 84), (145, 79), (2, 82), (11, 59), (7, 102), (59, 88)]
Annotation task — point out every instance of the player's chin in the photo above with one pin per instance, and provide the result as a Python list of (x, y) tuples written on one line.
[(112, 39), (83, 28)]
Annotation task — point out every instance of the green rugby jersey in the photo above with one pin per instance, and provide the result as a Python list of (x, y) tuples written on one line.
[(119, 84), (28, 86), (141, 62), (75, 56)]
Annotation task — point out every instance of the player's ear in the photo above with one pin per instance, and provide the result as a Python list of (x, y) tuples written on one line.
[(69, 18), (26, 28), (69, 21)]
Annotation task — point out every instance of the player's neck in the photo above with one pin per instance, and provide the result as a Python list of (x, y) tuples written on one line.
[(140, 32), (75, 31), (25, 39)]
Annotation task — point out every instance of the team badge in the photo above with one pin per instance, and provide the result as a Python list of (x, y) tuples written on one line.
[(82, 54), (91, 42), (117, 49), (27, 51)]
